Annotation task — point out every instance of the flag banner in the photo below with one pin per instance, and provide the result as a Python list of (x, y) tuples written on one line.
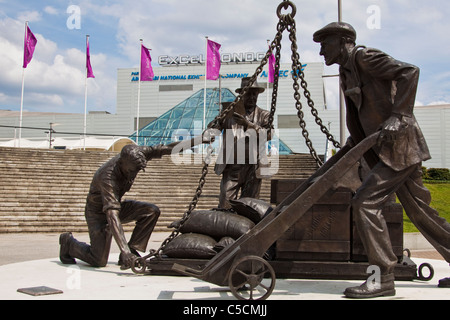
[(271, 68), (146, 65), (212, 60), (29, 45), (89, 72)]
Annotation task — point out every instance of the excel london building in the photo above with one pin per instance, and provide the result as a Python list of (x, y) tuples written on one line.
[(174, 101), (172, 105)]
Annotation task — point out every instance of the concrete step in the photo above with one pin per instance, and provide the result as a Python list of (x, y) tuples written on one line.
[(45, 190)]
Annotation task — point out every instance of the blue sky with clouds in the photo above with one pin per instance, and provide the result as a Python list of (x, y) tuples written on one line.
[(414, 31)]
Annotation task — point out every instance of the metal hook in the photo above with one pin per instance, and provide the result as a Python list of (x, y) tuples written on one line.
[(285, 5)]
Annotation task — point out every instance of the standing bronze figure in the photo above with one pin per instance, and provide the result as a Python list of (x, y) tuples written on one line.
[(105, 211), (239, 167), (379, 94)]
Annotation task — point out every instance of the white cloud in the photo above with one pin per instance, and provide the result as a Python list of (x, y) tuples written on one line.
[(54, 80), (52, 101), (51, 10), (30, 16), (174, 27), (413, 31), (434, 103)]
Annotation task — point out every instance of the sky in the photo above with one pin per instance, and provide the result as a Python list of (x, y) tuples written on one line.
[(413, 31)]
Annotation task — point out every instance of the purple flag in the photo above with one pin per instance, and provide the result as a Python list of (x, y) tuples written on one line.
[(146, 65), (212, 60), (271, 68), (29, 45), (89, 72)]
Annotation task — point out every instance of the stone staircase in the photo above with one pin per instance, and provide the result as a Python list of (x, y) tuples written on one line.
[(45, 190)]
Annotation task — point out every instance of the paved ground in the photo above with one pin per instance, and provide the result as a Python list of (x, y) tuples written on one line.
[(81, 282), (18, 247), (31, 260)]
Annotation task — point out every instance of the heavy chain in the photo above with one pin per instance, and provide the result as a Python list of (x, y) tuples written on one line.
[(192, 204), (275, 44), (217, 122), (286, 22), (297, 75)]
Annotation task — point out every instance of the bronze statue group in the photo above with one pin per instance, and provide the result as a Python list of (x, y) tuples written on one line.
[(379, 94)]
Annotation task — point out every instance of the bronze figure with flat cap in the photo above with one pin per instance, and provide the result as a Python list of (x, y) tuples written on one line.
[(239, 167), (380, 94)]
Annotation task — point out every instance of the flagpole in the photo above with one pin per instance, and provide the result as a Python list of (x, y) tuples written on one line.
[(23, 84), (268, 86), (204, 93), (21, 107), (139, 94), (220, 93), (85, 114), (206, 72), (85, 101)]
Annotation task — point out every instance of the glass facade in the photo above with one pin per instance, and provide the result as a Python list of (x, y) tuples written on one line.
[(185, 120)]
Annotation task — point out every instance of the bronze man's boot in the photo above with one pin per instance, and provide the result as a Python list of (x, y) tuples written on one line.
[(64, 240), (444, 283), (371, 290)]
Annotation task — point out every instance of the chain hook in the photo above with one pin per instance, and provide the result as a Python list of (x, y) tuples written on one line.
[(285, 5)]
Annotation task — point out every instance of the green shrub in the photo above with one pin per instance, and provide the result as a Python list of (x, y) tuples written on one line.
[(442, 174), (436, 174), (425, 173)]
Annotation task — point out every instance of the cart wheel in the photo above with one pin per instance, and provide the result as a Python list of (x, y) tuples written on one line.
[(247, 279), (420, 272), (138, 266), (407, 252)]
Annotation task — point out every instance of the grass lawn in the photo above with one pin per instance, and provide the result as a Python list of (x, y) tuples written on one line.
[(440, 194)]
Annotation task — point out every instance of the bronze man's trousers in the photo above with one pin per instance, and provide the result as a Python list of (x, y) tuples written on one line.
[(96, 254), (377, 187), (235, 178)]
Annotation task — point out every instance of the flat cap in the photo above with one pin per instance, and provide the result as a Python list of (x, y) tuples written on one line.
[(335, 28)]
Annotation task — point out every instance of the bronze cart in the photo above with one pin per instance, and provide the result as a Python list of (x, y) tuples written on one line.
[(241, 265)]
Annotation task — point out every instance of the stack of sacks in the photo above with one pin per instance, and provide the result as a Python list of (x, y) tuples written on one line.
[(207, 232)]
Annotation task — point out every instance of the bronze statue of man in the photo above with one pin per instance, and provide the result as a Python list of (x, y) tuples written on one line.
[(250, 127), (105, 211), (380, 94)]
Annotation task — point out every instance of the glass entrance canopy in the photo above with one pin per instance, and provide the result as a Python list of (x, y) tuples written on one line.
[(185, 120)]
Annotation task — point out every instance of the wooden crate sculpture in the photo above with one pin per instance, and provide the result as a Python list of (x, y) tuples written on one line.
[(327, 232)]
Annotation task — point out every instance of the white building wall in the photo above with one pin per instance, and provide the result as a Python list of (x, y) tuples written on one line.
[(153, 103), (433, 120), (294, 137), (107, 124), (435, 124)]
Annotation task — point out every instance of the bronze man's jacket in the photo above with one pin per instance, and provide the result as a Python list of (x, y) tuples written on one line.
[(259, 117), (377, 86), (109, 184)]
